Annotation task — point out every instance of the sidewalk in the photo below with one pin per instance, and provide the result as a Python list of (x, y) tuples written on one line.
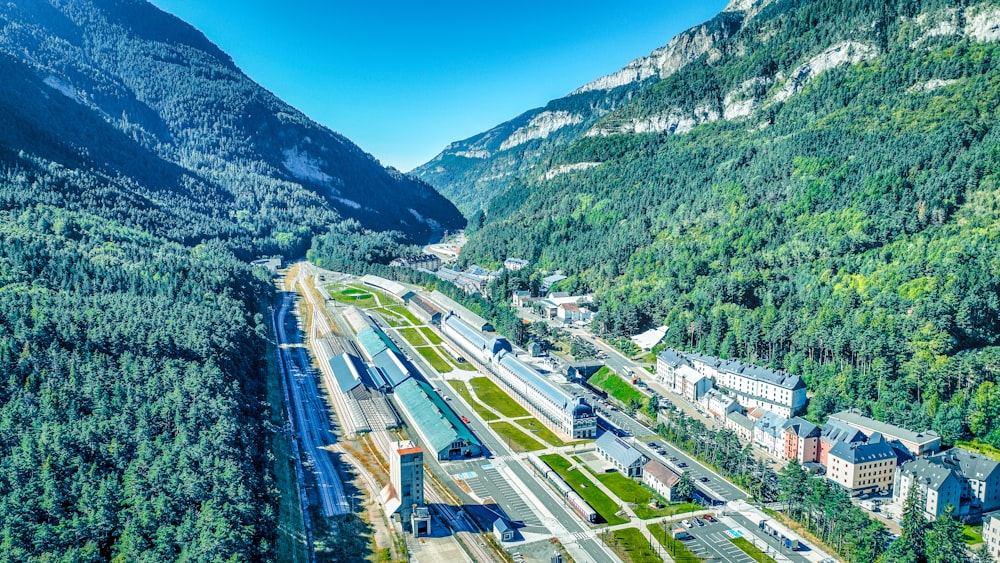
[(753, 516)]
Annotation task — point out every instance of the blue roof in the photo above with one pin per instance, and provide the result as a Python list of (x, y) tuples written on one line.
[(671, 357), (770, 423), (476, 338), (530, 376), (618, 449), (347, 371), (393, 367), (374, 341)]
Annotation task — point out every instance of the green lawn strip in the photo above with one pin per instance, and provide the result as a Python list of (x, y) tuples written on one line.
[(600, 502), (412, 336), (631, 546), (630, 490), (677, 550), (973, 534), (616, 386), (430, 335), (489, 393), (517, 440), (432, 357), (751, 550), (483, 412), (540, 431), (404, 312)]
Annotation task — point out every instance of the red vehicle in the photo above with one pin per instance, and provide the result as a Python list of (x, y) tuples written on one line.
[(464, 419)]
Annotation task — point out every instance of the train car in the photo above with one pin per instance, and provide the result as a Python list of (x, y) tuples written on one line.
[(563, 487), (538, 464), (581, 507)]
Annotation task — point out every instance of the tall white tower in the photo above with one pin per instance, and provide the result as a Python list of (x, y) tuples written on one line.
[(406, 472)]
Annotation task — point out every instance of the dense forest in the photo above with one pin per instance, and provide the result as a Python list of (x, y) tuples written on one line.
[(140, 171), (844, 229)]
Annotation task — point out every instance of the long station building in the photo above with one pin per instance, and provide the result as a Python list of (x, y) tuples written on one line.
[(562, 412)]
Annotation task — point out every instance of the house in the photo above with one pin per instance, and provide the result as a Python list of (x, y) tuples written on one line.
[(535, 349), (869, 466), (667, 363), (801, 440), (582, 369), (718, 404), (549, 281), (967, 480), (741, 425), (622, 456), (991, 534), (919, 443), (767, 433), (502, 530), (571, 313), (514, 264), (690, 384), (660, 478), (521, 298), (834, 432)]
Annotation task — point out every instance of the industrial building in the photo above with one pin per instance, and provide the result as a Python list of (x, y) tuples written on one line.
[(562, 412), (438, 427)]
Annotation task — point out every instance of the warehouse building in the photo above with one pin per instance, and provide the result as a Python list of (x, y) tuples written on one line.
[(438, 427)]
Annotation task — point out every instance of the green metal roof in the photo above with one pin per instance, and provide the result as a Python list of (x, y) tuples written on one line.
[(438, 424)]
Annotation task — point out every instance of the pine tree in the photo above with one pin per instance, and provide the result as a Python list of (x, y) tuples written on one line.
[(684, 489), (911, 546), (945, 543)]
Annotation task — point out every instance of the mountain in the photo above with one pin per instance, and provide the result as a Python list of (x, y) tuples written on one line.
[(127, 92), (816, 192), (471, 171), (139, 170)]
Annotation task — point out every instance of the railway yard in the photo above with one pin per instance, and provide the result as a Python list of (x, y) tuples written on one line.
[(370, 370)]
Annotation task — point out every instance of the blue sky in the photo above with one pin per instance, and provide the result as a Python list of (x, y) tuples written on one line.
[(404, 78)]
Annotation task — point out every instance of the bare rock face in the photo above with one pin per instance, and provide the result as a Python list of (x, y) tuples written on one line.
[(540, 127), (843, 53)]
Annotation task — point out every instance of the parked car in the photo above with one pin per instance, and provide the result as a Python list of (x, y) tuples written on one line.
[(703, 479), (464, 418), (682, 464)]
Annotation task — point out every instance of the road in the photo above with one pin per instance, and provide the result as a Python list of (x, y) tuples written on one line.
[(308, 414)]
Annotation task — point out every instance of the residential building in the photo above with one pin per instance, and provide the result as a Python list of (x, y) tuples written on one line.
[(622, 456), (660, 478), (767, 433), (755, 386), (834, 432), (741, 425), (521, 298), (967, 480), (572, 313), (423, 262), (690, 384), (870, 466), (549, 281), (718, 404), (514, 264), (801, 440), (991, 534), (919, 443), (667, 363)]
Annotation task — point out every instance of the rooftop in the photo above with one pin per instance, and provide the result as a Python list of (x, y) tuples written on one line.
[(877, 448), (618, 449), (448, 304), (661, 473), (802, 428), (837, 431), (530, 376), (770, 423), (437, 423), (741, 420), (971, 465), (347, 371), (927, 472), (670, 357), (751, 371), (858, 420)]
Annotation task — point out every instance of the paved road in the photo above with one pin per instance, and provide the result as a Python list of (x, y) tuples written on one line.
[(309, 417)]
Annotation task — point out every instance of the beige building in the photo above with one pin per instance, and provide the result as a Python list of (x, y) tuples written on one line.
[(870, 466), (660, 478)]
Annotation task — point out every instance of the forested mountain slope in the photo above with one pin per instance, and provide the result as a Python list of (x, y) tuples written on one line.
[(822, 197), (471, 171), (139, 169)]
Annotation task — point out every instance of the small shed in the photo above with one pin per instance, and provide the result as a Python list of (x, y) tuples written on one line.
[(503, 530)]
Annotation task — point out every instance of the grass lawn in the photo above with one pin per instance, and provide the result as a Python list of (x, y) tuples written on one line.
[(351, 296), (483, 412), (489, 393), (413, 336), (518, 441), (677, 549), (432, 357), (628, 490), (540, 431), (405, 313), (973, 534), (751, 550), (430, 335), (602, 503), (632, 546), (616, 386)]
